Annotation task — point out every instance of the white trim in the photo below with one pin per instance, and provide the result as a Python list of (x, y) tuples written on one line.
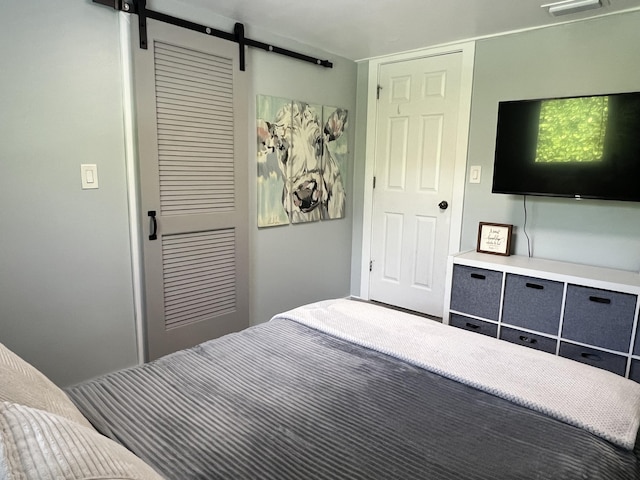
[(131, 171), (369, 168), (417, 52), (460, 166), (464, 120)]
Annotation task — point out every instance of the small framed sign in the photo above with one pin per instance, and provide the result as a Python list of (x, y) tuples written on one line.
[(494, 238)]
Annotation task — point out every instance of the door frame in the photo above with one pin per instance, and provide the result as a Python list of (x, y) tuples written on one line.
[(133, 193), (467, 49)]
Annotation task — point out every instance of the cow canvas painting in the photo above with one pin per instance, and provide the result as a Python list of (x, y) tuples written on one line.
[(307, 144), (335, 162), (304, 189), (271, 211)]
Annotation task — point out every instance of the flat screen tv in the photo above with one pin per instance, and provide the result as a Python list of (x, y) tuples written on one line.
[(579, 147)]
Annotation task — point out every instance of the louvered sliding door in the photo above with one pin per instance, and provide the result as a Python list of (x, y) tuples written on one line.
[(191, 103)]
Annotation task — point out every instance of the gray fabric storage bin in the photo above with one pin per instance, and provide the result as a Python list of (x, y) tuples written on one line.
[(474, 325), (476, 291), (634, 374), (599, 317), (531, 340), (636, 345), (596, 358), (532, 303)]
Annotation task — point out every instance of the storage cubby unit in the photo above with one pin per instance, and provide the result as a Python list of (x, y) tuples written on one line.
[(584, 313)]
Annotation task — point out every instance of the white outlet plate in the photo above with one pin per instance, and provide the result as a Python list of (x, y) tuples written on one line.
[(475, 172), (89, 173)]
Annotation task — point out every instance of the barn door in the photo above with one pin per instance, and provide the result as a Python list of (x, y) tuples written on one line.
[(415, 155), (191, 117)]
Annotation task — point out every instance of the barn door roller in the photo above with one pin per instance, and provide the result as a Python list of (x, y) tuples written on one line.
[(139, 7)]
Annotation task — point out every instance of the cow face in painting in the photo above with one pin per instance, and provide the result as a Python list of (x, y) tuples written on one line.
[(312, 181)]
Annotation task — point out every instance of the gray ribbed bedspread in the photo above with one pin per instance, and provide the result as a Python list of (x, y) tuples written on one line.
[(283, 401)]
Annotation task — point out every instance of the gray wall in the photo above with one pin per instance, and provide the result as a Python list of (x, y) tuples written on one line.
[(297, 264), (66, 302), (65, 270), (596, 56)]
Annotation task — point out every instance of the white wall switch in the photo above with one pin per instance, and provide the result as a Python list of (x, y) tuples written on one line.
[(475, 172), (89, 174)]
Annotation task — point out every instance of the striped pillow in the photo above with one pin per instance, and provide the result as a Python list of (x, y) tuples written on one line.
[(38, 445), (22, 383)]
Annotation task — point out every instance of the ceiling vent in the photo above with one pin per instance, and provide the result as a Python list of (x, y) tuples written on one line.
[(571, 6)]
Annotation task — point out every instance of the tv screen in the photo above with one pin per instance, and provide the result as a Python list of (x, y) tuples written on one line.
[(580, 147)]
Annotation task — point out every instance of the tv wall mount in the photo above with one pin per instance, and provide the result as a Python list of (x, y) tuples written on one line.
[(139, 7)]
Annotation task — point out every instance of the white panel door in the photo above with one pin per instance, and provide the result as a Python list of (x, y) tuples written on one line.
[(191, 112), (417, 127)]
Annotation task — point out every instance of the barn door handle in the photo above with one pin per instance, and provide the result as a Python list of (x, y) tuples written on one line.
[(443, 205), (154, 225)]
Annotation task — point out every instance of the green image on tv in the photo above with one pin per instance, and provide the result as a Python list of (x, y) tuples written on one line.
[(572, 129)]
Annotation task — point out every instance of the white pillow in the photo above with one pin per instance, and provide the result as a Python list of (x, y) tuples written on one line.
[(22, 383), (38, 445)]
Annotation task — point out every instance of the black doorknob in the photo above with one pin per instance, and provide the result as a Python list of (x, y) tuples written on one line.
[(443, 205)]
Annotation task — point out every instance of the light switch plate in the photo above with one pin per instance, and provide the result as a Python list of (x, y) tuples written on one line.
[(475, 172), (89, 173)]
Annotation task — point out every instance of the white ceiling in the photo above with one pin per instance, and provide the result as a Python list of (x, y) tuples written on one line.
[(358, 29)]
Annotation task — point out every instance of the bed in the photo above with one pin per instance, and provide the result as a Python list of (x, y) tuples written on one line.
[(343, 389)]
